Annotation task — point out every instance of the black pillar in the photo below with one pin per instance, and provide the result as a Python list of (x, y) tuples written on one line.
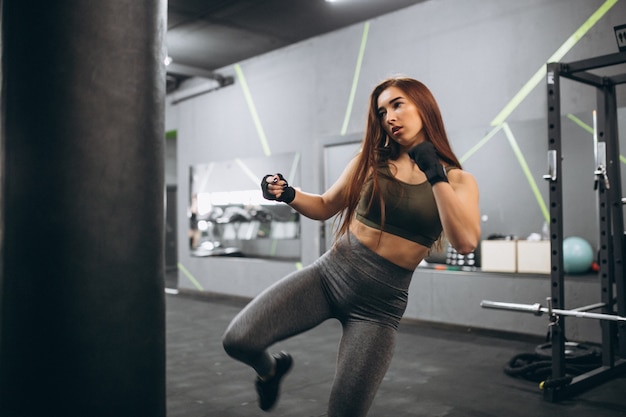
[(82, 326)]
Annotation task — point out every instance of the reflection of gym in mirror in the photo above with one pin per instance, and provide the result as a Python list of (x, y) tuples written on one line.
[(228, 215)]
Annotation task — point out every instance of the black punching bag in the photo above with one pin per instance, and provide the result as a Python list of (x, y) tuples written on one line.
[(82, 308)]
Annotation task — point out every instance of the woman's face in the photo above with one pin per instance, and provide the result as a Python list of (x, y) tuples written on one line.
[(400, 117)]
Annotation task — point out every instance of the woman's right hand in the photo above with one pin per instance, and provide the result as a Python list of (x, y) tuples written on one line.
[(275, 187)]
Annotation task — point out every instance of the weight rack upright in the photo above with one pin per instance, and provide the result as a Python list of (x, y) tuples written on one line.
[(611, 223)]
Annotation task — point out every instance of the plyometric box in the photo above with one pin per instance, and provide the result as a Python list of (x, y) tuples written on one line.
[(533, 257), (498, 255)]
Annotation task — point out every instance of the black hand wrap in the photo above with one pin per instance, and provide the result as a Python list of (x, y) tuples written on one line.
[(425, 156), (266, 194), (288, 194)]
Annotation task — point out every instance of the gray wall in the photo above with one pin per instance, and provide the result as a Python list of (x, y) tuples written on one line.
[(475, 55)]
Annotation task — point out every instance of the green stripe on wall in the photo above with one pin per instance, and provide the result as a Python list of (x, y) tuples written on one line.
[(556, 57), (355, 79), (480, 144), (248, 172), (527, 173), (580, 123), (171, 134), (191, 277), (252, 108), (589, 129)]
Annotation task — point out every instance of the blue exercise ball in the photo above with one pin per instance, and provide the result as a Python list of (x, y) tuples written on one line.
[(577, 255)]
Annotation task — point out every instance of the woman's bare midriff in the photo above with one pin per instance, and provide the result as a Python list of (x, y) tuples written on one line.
[(400, 251)]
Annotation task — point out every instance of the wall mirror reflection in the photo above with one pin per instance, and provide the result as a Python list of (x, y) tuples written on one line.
[(228, 215)]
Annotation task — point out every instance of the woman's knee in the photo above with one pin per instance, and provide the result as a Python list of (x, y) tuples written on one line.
[(233, 343), (238, 344)]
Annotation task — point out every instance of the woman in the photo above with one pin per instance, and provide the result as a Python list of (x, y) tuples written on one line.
[(395, 198)]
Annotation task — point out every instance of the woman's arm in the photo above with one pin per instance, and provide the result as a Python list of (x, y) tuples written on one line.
[(324, 206), (459, 211)]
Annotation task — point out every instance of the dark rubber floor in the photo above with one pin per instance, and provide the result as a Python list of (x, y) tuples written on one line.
[(436, 372)]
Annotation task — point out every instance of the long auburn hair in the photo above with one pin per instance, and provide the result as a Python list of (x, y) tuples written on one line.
[(378, 149)]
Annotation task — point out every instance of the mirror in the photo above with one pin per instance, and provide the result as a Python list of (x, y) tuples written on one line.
[(228, 215)]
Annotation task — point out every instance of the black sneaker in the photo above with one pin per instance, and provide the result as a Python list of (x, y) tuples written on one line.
[(268, 390)]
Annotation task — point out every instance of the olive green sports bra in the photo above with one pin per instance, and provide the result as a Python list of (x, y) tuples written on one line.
[(410, 209)]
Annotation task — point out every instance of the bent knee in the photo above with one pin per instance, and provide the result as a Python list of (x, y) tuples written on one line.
[(236, 345), (230, 342)]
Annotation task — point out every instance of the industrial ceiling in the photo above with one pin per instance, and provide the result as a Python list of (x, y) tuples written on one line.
[(206, 35)]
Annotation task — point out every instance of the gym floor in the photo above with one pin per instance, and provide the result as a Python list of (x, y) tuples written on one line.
[(435, 372)]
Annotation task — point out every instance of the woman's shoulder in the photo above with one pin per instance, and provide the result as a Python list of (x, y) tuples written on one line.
[(459, 176)]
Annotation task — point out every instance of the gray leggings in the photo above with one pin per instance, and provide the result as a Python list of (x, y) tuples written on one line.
[(351, 283)]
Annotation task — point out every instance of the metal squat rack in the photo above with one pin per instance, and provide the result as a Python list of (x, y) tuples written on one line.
[(611, 244)]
